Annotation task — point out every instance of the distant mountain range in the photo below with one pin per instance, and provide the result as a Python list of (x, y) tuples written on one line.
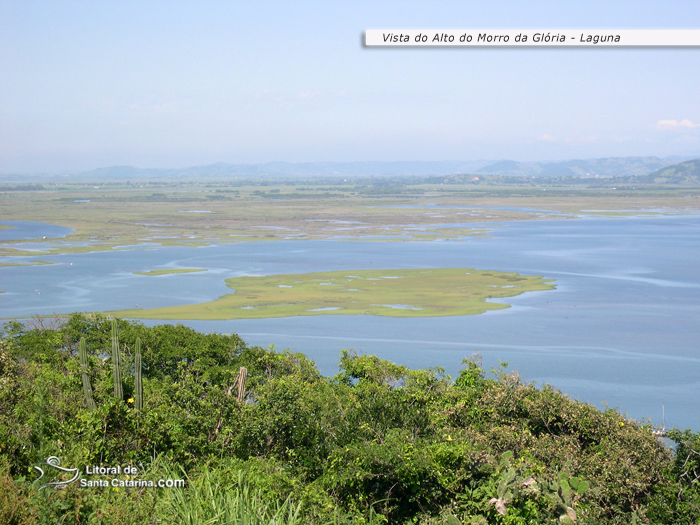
[(685, 172), (288, 170), (606, 167), (599, 168)]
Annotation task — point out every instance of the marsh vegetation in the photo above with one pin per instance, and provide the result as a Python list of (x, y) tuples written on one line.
[(107, 214), (170, 271), (426, 292)]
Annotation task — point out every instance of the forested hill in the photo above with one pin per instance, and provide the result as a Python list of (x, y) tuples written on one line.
[(604, 167), (377, 443), (683, 173)]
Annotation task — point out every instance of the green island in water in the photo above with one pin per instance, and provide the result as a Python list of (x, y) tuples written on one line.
[(170, 271), (426, 292), (32, 263)]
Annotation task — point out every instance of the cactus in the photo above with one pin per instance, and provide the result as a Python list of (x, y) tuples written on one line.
[(504, 491), (87, 389), (116, 371), (242, 374), (564, 493), (116, 363), (513, 483), (138, 379)]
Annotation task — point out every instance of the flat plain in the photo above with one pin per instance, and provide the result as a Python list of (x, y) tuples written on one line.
[(106, 215)]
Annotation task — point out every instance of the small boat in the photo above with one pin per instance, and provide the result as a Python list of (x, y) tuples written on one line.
[(661, 432)]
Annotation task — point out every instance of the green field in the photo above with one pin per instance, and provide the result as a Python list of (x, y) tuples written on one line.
[(392, 293), (167, 272)]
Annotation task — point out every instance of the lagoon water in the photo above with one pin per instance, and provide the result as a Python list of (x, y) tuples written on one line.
[(622, 327), (22, 230)]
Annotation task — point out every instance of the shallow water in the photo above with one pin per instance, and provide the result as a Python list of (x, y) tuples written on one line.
[(22, 230), (621, 327)]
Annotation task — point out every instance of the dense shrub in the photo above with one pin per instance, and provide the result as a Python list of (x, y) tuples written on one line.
[(377, 443)]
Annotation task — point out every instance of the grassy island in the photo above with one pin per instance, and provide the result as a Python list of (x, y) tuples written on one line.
[(32, 263), (168, 272), (428, 292)]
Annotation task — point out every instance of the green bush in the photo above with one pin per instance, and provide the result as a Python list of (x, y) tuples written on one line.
[(378, 443)]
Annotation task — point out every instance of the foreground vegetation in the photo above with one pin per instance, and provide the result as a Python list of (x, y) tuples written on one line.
[(378, 443), (424, 292)]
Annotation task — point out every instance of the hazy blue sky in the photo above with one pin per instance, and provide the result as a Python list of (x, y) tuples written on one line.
[(172, 84)]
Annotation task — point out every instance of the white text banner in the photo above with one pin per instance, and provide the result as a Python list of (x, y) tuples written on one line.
[(534, 37)]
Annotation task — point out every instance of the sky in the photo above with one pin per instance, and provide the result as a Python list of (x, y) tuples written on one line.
[(180, 83)]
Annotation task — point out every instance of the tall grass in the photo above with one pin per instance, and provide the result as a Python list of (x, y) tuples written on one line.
[(204, 502)]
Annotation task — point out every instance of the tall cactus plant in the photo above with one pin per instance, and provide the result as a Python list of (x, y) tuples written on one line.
[(87, 389), (116, 363), (138, 379)]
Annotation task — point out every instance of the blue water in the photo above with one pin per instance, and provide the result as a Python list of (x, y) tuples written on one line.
[(622, 327), (22, 230)]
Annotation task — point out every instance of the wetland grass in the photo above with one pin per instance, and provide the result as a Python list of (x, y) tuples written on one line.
[(171, 271), (428, 292), (324, 210)]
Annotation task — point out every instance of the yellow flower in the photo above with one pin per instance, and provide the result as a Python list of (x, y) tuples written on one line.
[(130, 400)]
